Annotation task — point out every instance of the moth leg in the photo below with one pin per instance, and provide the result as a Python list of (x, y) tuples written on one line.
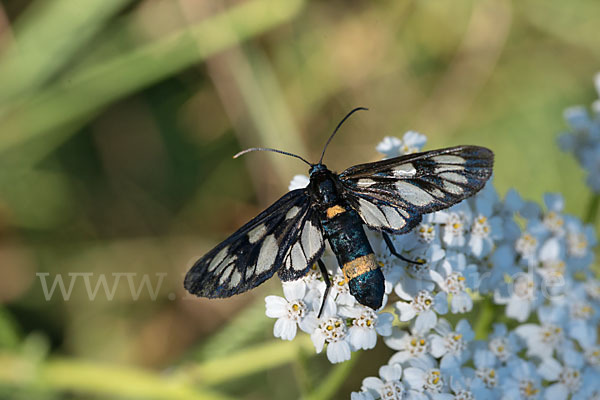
[(325, 275), (390, 246)]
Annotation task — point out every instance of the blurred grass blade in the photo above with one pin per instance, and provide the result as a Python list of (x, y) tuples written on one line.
[(250, 361), (46, 38), (86, 91), (96, 379)]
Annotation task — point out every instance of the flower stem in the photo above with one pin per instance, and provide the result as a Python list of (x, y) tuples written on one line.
[(484, 319), (592, 211)]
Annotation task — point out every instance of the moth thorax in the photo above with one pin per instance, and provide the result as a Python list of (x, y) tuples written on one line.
[(324, 189)]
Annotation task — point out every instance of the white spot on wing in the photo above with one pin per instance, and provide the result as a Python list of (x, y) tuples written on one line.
[(454, 177), (218, 259), (267, 254), (403, 213), (366, 182), (448, 159), (311, 239), (235, 279), (436, 192), (448, 168), (404, 171), (292, 212), (226, 274), (250, 272), (394, 218), (224, 265), (298, 259), (371, 214), (257, 233), (452, 188), (413, 194)]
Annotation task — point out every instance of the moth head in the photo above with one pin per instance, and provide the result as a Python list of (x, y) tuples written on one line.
[(317, 169)]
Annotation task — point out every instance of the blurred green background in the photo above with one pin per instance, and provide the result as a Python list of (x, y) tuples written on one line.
[(118, 120)]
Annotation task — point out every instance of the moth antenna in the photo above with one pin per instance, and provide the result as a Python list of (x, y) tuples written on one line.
[(338, 127), (241, 153)]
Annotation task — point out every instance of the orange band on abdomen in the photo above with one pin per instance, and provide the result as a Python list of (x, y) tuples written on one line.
[(359, 266)]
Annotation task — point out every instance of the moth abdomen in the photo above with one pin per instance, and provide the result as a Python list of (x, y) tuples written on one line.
[(368, 288)]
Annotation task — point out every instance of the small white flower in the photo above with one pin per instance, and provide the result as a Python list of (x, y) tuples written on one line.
[(522, 298), (421, 306), (522, 381), (340, 291), (332, 331), (366, 325), (592, 356), (541, 340), (424, 376), (408, 345), (454, 230), (503, 344), (426, 232), (454, 283), (451, 345), (526, 246), (389, 387), (486, 368), (291, 311), (567, 380)]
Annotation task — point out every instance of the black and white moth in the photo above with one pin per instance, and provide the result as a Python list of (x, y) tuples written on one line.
[(389, 196)]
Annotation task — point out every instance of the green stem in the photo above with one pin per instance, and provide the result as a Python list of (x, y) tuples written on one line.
[(592, 211), (485, 318)]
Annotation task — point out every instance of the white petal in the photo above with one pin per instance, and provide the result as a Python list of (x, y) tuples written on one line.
[(294, 290), (425, 321), (550, 369), (391, 372), (405, 311), (384, 324), (338, 351), (556, 392), (397, 340), (318, 340), (438, 348), (518, 309), (276, 307), (362, 338), (414, 378), (285, 329), (461, 303), (372, 383), (309, 323)]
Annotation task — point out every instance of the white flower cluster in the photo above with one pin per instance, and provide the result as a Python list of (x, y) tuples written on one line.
[(583, 140), (530, 263)]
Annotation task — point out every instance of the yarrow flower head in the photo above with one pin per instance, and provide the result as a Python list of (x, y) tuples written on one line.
[(494, 255)]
